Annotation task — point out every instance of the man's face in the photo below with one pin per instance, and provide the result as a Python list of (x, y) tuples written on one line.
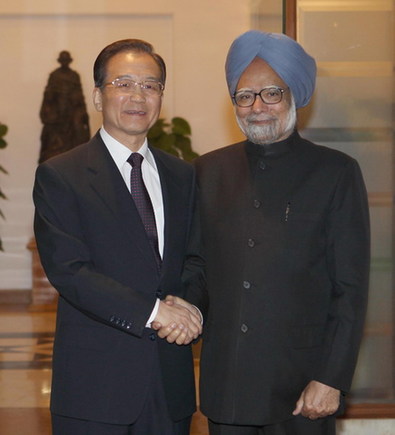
[(265, 123), (128, 116)]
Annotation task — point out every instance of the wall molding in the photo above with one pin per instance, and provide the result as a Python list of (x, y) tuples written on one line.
[(15, 297), (369, 411)]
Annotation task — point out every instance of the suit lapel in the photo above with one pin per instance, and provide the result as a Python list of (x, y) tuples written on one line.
[(102, 174), (173, 205)]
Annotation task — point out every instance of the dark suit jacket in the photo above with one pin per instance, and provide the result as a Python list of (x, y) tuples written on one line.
[(286, 240), (96, 253)]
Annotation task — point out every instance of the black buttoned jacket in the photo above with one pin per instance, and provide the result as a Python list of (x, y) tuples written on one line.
[(285, 232)]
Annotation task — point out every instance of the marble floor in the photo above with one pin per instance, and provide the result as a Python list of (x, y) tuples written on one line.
[(26, 339)]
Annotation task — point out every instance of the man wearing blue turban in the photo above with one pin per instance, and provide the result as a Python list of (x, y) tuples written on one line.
[(285, 236)]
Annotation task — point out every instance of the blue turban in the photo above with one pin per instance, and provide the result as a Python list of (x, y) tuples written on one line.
[(285, 56)]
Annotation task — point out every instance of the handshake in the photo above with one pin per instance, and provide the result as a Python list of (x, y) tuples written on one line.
[(177, 321)]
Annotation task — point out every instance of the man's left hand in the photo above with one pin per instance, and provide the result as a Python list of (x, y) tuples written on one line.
[(317, 400)]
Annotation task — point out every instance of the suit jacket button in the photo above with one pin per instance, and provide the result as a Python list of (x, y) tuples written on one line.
[(244, 328), (251, 243), (262, 165), (159, 293), (257, 203), (246, 284), (152, 336)]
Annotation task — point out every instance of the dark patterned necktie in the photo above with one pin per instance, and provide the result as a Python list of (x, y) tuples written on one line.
[(143, 203)]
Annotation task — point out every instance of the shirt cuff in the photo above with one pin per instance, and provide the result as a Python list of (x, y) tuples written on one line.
[(153, 314), (200, 313)]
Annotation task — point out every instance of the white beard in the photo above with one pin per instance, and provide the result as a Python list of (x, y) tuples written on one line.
[(270, 133)]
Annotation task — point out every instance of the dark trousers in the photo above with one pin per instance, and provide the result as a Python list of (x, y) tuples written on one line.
[(154, 418), (72, 426), (295, 426)]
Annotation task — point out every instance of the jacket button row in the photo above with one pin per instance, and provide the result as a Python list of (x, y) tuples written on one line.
[(118, 321)]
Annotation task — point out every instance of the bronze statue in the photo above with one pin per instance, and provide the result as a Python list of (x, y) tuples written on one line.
[(63, 111)]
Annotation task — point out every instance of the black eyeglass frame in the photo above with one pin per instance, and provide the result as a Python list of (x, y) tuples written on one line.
[(255, 94)]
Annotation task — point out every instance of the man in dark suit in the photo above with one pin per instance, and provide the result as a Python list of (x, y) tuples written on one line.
[(115, 256), (285, 232)]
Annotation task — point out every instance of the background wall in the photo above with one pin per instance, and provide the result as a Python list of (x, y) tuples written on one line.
[(193, 37)]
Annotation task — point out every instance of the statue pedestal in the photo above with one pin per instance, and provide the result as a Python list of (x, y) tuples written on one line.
[(44, 296)]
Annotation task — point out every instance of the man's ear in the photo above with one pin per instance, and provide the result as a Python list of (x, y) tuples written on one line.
[(97, 99)]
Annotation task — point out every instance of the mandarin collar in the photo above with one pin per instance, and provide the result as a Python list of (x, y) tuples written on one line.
[(275, 149)]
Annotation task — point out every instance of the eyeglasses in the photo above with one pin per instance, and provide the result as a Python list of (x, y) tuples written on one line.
[(127, 86), (269, 95)]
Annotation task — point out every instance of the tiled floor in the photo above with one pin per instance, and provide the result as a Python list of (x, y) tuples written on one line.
[(25, 373)]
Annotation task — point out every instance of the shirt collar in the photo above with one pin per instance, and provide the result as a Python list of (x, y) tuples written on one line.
[(120, 153)]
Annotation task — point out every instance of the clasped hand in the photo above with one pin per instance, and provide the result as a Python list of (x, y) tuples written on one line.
[(177, 321), (317, 400)]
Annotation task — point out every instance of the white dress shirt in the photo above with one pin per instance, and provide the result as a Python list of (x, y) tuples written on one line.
[(120, 154)]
